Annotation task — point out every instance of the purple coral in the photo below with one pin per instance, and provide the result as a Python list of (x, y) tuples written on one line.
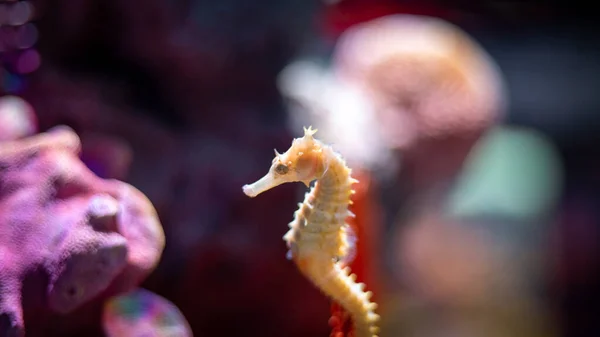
[(88, 236)]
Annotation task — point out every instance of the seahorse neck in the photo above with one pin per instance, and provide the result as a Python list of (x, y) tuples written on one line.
[(336, 179)]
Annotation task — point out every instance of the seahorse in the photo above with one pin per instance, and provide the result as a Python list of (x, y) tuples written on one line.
[(319, 240)]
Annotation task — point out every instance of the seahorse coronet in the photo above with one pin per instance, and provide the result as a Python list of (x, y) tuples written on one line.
[(320, 241)]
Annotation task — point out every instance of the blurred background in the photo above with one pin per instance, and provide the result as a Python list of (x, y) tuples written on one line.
[(474, 135)]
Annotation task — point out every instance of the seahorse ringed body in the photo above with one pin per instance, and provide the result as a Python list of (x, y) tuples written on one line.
[(320, 241)]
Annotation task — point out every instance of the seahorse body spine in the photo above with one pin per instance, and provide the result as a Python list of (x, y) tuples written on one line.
[(320, 240)]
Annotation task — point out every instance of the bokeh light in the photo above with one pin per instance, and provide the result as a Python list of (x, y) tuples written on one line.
[(515, 172), (28, 61), (143, 314), (17, 118)]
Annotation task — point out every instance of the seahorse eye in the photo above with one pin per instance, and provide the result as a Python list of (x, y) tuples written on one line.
[(281, 169)]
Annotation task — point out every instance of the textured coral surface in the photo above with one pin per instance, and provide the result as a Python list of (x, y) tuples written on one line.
[(65, 232)]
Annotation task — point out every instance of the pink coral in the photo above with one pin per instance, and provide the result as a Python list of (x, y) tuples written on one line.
[(90, 237)]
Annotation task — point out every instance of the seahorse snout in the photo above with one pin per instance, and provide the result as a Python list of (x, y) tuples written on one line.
[(263, 184)]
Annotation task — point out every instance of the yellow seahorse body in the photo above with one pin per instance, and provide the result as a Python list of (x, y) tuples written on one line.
[(319, 240)]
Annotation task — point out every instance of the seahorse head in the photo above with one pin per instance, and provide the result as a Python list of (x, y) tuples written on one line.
[(302, 162)]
